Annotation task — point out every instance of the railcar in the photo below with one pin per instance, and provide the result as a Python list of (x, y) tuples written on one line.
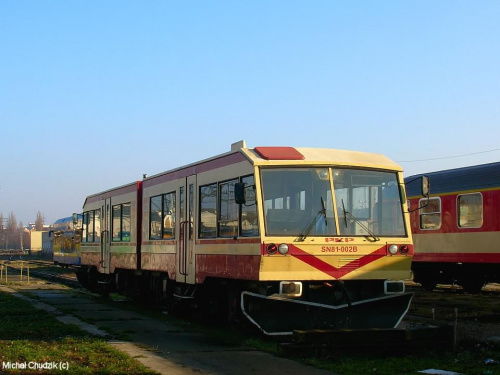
[(66, 238), (457, 230), (111, 236), (290, 238)]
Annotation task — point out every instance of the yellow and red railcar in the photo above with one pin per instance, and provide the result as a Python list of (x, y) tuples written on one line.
[(66, 239), (291, 237), (457, 230)]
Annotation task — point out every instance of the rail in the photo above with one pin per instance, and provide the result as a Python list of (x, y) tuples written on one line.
[(24, 271), (21, 267)]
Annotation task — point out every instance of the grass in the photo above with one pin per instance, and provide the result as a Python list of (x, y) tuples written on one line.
[(464, 362), (28, 335), (468, 360)]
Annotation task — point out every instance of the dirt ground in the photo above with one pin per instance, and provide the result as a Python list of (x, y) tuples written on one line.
[(477, 316)]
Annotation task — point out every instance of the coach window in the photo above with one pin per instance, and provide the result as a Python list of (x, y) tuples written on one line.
[(126, 222), (162, 217), (181, 204), (155, 218), (121, 222), (91, 226), (249, 218), (208, 211), (88, 227), (470, 210), (430, 213), (168, 230), (228, 210), (97, 225), (117, 213), (191, 210)]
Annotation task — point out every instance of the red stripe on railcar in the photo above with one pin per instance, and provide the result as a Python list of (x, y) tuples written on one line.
[(243, 267), (91, 259), (227, 241), (159, 262), (124, 261), (330, 270), (457, 257)]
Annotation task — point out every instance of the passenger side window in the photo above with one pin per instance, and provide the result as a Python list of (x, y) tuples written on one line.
[(208, 211), (121, 223), (249, 217), (228, 210), (470, 210), (430, 213), (91, 226), (162, 217)]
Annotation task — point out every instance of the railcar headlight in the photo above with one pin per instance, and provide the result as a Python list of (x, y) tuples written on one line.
[(393, 249), (404, 249), (271, 249), (283, 249)]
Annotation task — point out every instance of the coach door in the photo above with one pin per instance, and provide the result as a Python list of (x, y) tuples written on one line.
[(185, 250), (105, 236)]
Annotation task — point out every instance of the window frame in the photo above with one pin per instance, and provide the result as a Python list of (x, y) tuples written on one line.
[(163, 233), (255, 211), (215, 232), (230, 204), (121, 237), (213, 186), (91, 236), (459, 213), (422, 213)]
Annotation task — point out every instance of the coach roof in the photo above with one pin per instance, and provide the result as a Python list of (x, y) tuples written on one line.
[(477, 177)]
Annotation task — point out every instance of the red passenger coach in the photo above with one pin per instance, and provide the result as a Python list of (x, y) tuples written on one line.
[(111, 237), (457, 230), (290, 238)]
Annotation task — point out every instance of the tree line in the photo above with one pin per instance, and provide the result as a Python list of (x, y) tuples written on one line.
[(14, 235)]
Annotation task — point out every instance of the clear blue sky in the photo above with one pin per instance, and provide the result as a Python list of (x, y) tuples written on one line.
[(95, 93)]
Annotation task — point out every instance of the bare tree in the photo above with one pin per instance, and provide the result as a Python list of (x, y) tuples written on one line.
[(12, 223), (12, 231), (39, 221), (3, 234)]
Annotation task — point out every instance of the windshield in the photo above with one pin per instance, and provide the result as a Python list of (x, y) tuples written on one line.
[(299, 202), (368, 203)]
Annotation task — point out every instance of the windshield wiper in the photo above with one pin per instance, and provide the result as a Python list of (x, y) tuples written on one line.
[(348, 215), (323, 210), (308, 229)]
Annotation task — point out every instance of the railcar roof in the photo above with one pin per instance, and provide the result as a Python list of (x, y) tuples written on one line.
[(64, 220), (282, 156), (272, 155), (325, 156), (477, 177), (131, 187)]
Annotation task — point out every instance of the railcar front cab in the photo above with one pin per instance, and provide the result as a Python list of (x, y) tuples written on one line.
[(342, 232)]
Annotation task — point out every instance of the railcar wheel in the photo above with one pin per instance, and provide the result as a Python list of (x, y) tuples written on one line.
[(428, 285), (472, 286), (427, 278)]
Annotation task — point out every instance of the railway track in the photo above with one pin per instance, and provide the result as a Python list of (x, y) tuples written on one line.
[(41, 269), (439, 306), (473, 317)]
